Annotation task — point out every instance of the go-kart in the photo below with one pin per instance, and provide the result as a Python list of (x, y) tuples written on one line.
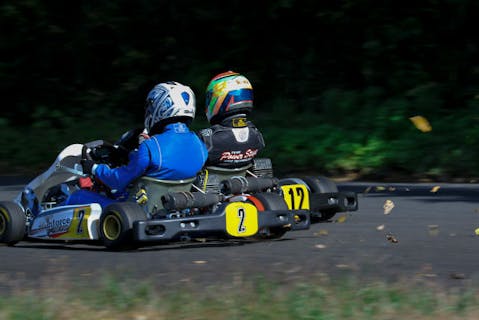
[(156, 211), (317, 194)]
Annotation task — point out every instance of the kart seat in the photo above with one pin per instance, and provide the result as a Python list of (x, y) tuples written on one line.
[(211, 177), (154, 189)]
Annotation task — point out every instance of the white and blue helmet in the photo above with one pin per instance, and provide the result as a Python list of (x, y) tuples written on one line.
[(169, 100)]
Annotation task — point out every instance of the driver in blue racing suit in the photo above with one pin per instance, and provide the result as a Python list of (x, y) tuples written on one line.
[(172, 151)]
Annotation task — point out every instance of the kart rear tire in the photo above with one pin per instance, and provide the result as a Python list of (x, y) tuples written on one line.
[(12, 223), (271, 201), (321, 184), (116, 225)]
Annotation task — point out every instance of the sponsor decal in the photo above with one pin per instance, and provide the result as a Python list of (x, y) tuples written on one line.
[(238, 155), (239, 122), (206, 132), (54, 226)]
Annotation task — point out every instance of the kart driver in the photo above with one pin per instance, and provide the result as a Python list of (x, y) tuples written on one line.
[(232, 140), (171, 152)]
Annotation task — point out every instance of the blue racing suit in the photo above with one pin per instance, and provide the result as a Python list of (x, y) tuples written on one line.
[(176, 153)]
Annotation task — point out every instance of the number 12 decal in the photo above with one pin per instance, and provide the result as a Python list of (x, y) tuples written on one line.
[(296, 196)]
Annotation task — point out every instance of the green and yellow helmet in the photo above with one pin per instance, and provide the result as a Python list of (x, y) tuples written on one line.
[(228, 93)]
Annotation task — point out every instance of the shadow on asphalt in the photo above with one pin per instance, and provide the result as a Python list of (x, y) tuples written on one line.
[(89, 246)]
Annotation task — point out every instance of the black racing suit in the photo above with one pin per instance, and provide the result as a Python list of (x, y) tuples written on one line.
[(232, 143)]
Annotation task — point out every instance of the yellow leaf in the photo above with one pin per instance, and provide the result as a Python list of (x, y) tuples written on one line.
[(421, 123), (435, 189), (388, 206), (341, 219), (321, 232), (433, 229)]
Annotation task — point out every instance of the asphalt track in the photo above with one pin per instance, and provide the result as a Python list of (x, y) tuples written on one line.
[(427, 237)]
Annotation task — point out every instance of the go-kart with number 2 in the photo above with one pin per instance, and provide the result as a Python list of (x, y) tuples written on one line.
[(155, 212)]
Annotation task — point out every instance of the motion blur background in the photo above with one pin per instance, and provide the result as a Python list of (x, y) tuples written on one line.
[(336, 82)]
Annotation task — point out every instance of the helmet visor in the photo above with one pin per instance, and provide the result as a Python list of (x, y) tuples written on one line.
[(240, 96)]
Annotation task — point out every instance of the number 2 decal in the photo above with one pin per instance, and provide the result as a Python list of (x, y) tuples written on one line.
[(241, 219), (81, 215), (241, 216), (296, 196)]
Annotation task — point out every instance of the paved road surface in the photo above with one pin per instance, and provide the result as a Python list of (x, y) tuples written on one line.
[(427, 237)]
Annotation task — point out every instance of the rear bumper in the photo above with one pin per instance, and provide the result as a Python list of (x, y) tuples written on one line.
[(334, 201), (214, 225)]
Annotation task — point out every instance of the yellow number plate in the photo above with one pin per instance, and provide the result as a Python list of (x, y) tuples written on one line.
[(79, 225), (241, 219), (296, 196)]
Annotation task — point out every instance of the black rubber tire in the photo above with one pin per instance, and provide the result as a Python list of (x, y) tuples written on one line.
[(321, 184), (272, 201), (286, 181), (12, 223), (116, 225)]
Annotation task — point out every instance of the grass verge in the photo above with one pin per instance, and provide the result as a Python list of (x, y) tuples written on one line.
[(258, 299)]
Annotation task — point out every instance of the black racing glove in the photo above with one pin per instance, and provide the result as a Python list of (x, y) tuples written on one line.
[(87, 166)]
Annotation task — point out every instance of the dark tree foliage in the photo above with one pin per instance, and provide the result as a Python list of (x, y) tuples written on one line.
[(63, 60)]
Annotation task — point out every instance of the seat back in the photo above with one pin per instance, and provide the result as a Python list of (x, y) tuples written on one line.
[(156, 188), (211, 177)]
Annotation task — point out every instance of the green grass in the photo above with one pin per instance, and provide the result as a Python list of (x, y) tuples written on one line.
[(241, 300)]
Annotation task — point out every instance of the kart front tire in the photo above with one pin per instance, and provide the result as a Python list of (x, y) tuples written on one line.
[(12, 223), (116, 225)]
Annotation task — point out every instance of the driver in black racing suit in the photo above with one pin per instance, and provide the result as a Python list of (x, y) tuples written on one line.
[(232, 140)]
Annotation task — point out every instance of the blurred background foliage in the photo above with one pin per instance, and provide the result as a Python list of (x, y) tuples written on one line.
[(335, 81)]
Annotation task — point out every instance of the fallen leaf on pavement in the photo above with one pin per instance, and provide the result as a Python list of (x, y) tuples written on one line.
[(388, 206), (433, 229), (455, 275), (391, 238), (322, 232)]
